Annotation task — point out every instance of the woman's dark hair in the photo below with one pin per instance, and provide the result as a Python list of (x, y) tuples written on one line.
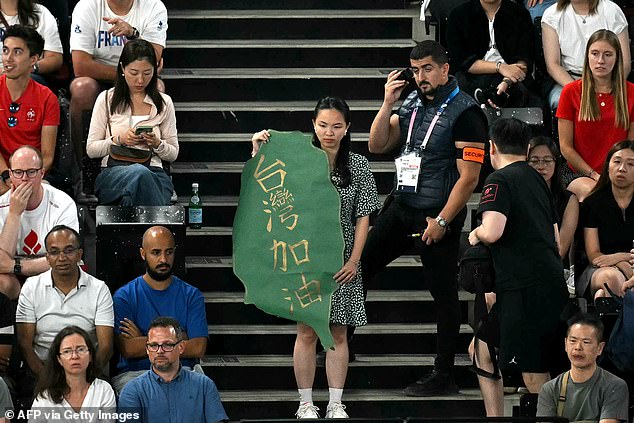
[(556, 188), (341, 171), (26, 15), (604, 180), (132, 51), (52, 380)]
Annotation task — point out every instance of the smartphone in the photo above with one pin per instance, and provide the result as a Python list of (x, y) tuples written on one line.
[(141, 129), (407, 75)]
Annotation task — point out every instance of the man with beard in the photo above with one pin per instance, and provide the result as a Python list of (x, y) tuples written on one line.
[(440, 133), (156, 293), (63, 296), (154, 394)]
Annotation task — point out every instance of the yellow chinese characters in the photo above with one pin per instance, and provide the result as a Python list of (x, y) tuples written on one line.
[(280, 202)]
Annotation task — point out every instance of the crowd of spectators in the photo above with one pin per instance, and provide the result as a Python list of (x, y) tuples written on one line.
[(67, 323)]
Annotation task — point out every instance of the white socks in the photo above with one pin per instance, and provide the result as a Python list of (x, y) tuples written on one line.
[(335, 395), (305, 395)]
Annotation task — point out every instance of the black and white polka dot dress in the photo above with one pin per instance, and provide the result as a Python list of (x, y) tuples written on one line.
[(358, 199)]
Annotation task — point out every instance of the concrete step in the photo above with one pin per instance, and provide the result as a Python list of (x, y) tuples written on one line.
[(267, 106), (200, 262), (284, 84), (237, 167), (368, 371), (219, 210), (315, 24), (215, 273), (223, 178), (238, 116), (279, 14), (276, 74), (360, 403), (285, 4), (374, 296), (375, 338), (223, 208), (267, 44), (227, 53), (196, 147), (382, 306)]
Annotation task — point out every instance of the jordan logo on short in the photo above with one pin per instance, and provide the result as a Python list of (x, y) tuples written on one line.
[(513, 361), (31, 244)]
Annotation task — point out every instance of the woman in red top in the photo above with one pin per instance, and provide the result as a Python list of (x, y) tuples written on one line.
[(594, 112)]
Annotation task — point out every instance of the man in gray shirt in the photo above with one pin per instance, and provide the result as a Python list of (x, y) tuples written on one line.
[(589, 393)]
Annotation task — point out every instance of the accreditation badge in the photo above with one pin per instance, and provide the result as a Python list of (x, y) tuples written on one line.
[(407, 171)]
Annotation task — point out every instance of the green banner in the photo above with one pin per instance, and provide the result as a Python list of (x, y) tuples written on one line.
[(287, 240)]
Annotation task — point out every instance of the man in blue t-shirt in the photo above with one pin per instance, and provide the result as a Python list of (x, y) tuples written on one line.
[(151, 396), (156, 293)]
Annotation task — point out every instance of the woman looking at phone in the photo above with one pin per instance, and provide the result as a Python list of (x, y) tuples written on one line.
[(134, 115), (351, 176)]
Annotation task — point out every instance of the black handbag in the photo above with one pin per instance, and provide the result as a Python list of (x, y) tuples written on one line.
[(120, 155), (476, 274)]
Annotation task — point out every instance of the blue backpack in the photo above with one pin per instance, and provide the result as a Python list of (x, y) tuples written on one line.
[(620, 347)]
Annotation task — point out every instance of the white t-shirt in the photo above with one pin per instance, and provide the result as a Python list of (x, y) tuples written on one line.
[(87, 306), (47, 28), (492, 54), (100, 397), (56, 208), (89, 32), (573, 34)]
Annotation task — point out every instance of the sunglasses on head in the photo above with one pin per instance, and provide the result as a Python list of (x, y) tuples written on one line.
[(13, 109)]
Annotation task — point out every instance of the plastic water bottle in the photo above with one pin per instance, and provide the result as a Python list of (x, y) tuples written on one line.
[(195, 209)]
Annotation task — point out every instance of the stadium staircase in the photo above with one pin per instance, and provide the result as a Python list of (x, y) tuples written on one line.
[(234, 67)]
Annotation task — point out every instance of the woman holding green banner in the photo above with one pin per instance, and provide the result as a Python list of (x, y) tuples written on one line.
[(351, 176)]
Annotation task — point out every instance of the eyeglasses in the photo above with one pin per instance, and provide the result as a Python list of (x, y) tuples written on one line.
[(167, 347), (67, 251), (13, 109), (68, 353), (19, 173), (546, 161)]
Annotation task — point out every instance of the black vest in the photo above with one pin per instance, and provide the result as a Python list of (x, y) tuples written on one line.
[(438, 173)]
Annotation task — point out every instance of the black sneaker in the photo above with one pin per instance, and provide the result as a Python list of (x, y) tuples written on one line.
[(434, 384)]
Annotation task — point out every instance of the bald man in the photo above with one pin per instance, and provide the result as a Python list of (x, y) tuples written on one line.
[(156, 293), (28, 211)]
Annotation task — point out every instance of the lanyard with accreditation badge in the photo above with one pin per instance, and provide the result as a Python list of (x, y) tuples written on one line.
[(408, 165)]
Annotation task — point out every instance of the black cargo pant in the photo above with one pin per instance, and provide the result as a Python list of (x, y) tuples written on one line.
[(388, 240)]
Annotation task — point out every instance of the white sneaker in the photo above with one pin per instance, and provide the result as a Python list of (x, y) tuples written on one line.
[(336, 410), (307, 410)]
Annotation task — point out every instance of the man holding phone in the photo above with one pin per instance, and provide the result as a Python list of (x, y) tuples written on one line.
[(440, 133)]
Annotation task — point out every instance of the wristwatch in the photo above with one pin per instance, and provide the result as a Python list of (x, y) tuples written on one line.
[(135, 34), (17, 267), (442, 222)]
